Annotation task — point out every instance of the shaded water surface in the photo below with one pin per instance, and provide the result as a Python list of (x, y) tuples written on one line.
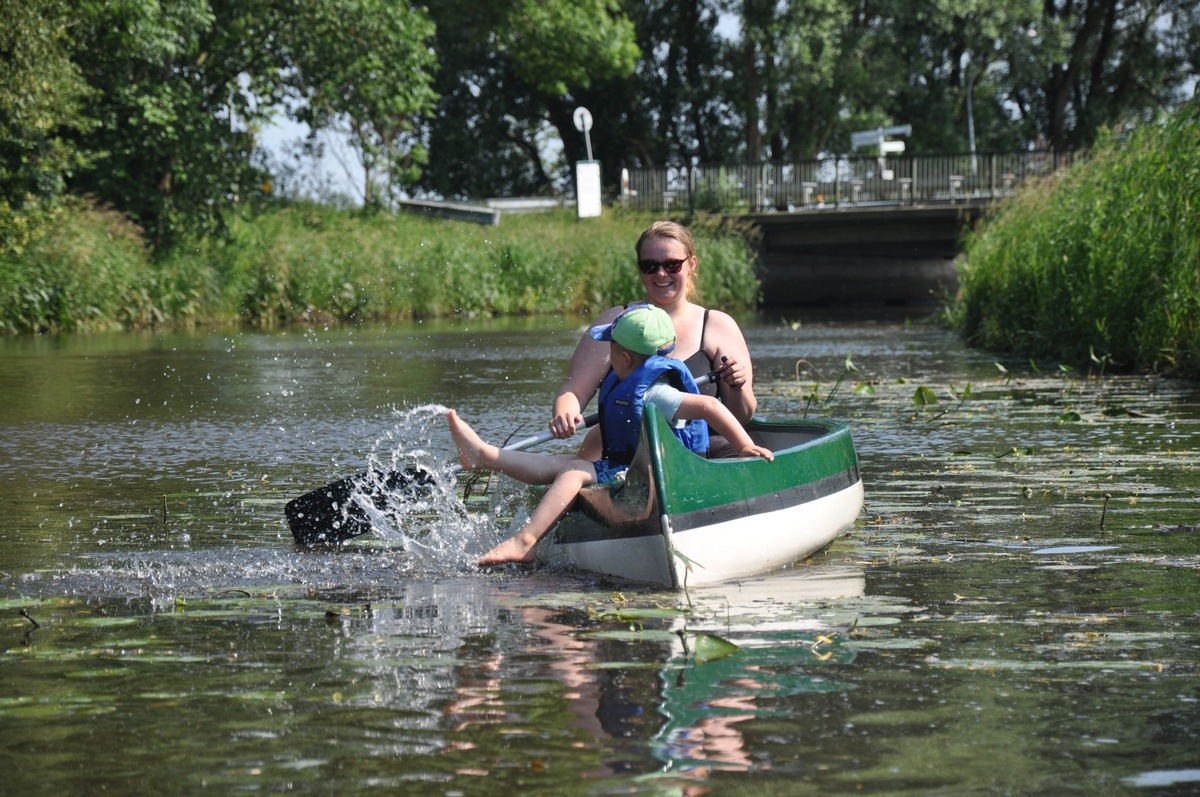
[(1017, 611)]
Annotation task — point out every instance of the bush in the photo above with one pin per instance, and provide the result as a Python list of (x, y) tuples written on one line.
[(88, 271), (1100, 262), (306, 262)]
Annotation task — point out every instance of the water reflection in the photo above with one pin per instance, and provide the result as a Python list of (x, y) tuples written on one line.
[(784, 639), (1014, 614), (619, 673)]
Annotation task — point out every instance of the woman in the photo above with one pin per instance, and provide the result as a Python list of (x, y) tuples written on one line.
[(706, 340)]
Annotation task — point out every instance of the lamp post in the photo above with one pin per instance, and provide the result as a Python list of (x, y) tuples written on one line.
[(971, 121)]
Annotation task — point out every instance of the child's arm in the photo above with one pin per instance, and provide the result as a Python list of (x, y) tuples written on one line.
[(719, 418)]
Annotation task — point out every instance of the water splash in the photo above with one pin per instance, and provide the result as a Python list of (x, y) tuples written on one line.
[(429, 517), (164, 578)]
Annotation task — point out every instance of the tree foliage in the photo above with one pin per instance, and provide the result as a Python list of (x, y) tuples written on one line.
[(154, 106), (174, 100), (41, 97), (368, 66), (728, 81), (510, 75)]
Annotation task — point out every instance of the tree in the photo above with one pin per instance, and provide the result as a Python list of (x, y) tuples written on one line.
[(512, 73), (41, 105), (179, 91), (812, 70), (368, 65), (1122, 59), (684, 107)]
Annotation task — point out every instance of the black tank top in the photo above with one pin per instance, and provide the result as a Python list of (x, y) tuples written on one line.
[(699, 364)]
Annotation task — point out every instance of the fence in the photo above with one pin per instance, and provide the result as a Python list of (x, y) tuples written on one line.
[(837, 182)]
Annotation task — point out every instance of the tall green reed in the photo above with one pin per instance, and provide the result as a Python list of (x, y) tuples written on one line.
[(309, 262), (88, 271), (1102, 259)]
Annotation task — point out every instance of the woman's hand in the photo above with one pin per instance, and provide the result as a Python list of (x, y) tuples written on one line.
[(735, 373), (732, 373)]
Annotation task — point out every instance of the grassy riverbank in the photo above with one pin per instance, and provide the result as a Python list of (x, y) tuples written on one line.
[(1100, 265), (300, 262)]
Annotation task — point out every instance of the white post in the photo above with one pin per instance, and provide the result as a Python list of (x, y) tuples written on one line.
[(587, 173)]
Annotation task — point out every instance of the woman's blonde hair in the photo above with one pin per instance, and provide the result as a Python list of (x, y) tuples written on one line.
[(676, 232)]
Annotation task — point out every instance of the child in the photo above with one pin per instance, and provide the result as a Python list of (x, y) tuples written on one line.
[(639, 338)]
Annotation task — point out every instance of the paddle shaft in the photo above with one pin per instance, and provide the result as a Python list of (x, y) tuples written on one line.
[(591, 420)]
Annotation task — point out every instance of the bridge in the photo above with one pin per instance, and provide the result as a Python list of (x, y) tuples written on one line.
[(849, 230), (862, 255)]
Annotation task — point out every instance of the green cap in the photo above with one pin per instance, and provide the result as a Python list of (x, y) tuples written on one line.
[(643, 328)]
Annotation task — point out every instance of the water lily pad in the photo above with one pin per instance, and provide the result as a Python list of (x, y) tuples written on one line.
[(1068, 549), (632, 635), (707, 647), (890, 643), (634, 614), (102, 672), (106, 622)]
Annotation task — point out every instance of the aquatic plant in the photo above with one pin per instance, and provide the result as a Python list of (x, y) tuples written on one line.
[(813, 395), (1099, 263)]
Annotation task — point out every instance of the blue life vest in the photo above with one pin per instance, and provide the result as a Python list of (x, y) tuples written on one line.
[(622, 402)]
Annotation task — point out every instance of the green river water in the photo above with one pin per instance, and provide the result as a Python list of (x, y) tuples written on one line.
[(1016, 612)]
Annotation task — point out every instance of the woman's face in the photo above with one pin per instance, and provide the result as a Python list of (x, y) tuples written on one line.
[(663, 288)]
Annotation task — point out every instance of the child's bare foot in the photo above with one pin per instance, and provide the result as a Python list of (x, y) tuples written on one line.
[(517, 548), (472, 450)]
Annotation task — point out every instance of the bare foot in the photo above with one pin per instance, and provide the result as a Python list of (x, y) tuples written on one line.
[(472, 450), (517, 548)]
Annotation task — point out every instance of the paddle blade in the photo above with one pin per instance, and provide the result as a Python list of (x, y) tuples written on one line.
[(335, 513)]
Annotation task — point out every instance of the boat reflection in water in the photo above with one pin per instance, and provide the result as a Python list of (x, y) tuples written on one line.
[(786, 646), (635, 672)]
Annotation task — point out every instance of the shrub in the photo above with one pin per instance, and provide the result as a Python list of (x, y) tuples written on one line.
[(303, 262), (1101, 261)]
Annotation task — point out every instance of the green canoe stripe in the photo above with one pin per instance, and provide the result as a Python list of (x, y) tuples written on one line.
[(761, 504), (573, 533)]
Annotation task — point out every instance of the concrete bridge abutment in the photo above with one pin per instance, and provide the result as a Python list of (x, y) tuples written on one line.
[(862, 255)]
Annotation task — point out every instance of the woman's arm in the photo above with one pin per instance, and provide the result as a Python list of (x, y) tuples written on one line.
[(589, 364), (735, 384)]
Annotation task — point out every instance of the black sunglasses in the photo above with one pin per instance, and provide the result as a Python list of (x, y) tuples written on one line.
[(649, 267)]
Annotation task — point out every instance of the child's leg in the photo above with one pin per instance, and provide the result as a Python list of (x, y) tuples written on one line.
[(592, 447), (526, 466), (559, 495)]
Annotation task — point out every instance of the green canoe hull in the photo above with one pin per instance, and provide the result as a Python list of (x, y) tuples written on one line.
[(681, 520)]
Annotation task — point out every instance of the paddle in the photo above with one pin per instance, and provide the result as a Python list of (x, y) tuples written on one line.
[(331, 514), (335, 513)]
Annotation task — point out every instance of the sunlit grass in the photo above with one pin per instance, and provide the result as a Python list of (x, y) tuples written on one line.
[(309, 263)]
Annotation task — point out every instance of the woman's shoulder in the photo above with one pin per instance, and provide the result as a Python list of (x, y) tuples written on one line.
[(609, 315), (720, 323)]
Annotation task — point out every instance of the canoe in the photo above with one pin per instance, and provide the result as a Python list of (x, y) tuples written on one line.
[(679, 520)]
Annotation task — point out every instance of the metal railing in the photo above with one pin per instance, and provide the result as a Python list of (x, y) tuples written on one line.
[(844, 181)]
